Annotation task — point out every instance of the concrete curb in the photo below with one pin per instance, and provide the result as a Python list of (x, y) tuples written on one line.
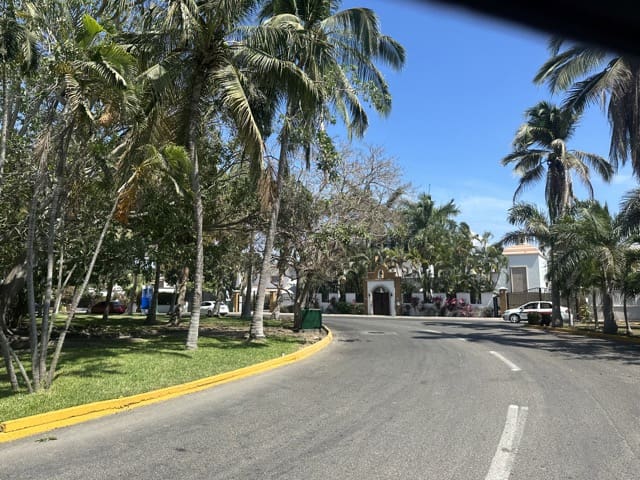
[(27, 426)]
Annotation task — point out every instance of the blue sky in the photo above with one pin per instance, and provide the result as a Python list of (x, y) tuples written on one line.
[(457, 104)]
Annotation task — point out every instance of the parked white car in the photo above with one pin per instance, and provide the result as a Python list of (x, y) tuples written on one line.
[(208, 307), (515, 315)]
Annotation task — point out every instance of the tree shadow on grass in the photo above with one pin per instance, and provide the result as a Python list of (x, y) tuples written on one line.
[(567, 345)]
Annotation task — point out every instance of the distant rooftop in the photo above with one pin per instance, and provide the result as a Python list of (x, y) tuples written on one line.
[(521, 249)]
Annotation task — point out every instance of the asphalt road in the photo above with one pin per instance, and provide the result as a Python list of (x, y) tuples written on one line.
[(390, 398)]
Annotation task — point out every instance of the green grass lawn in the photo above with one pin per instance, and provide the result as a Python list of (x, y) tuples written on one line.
[(97, 365)]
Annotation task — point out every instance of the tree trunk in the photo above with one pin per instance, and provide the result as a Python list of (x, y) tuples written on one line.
[(192, 134), (595, 308), (133, 294), (78, 294), (107, 308), (299, 301), (152, 315), (176, 313), (257, 323), (9, 288), (38, 187), (246, 303), (626, 317), (5, 349), (556, 315), (54, 208), (610, 325), (5, 122)]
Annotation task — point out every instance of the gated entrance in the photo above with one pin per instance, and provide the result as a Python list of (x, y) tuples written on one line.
[(381, 303)]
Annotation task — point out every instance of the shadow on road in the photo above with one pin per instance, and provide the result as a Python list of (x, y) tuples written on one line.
[(568, 345)]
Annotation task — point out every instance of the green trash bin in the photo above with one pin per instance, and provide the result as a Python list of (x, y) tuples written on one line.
[(311, 318)]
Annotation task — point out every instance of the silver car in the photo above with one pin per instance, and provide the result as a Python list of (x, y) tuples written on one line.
[(515, 315)]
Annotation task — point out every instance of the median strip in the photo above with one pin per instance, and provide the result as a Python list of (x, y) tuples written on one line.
[(27, 426)]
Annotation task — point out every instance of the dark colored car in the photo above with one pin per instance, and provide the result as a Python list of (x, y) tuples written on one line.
[(114, 307)]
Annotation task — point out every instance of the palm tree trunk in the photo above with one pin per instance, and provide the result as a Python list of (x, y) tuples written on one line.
[(51, 241), (246, 304), (257, 324), (176, 313), (5, 122), (41, 177), (152, 315), (595, 308), (79, 292), (107, 308), (10, 286), (192, 133), (133, 293), (5, 349), (556, 315), (610, 325), (626, 317)]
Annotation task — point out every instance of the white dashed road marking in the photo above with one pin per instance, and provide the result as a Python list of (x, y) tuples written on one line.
[(509, 363), (502, 462)]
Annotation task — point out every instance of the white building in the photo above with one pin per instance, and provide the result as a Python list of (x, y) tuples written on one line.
[(526, 269)]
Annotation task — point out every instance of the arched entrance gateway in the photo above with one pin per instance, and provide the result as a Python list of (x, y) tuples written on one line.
[(381, 302), (383, 292)]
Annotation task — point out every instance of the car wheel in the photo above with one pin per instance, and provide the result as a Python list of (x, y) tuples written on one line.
[(209, 313), (513, 318)]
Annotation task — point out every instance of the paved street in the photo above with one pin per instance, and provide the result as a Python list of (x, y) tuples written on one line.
[(438, 398)]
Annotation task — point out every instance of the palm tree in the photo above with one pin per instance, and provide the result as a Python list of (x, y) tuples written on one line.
[(540, 150), (541, 144), (593, 235), (591, 74), (206, 56), (431, 232), (89, 73), (17, 48), (339, 55)]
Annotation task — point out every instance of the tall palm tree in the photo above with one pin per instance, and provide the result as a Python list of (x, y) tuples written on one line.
[(205, 55), (541, 151), (340, 55), (590, 74)]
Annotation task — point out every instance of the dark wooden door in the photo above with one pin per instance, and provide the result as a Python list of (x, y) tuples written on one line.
[(381, 305)]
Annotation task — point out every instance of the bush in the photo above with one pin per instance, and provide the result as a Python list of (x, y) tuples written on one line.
[(545, 319), (533, 318), (358, 309), (487, 312), (344, 308)]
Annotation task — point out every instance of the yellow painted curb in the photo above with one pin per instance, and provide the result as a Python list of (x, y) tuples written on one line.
[(24, 427)]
